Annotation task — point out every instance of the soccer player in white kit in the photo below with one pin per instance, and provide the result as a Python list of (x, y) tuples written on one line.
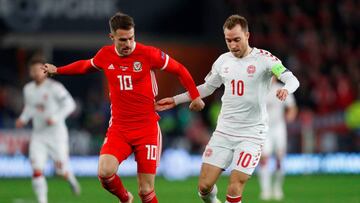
[(243, 122), (47, 104), (279, 113)]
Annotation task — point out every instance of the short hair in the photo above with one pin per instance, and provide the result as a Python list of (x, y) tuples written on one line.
[(234, 20), (121, 21), (36, 60)]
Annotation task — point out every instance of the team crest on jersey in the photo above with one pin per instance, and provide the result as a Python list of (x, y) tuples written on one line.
[(251, 69), (137, 66), (208, 152)]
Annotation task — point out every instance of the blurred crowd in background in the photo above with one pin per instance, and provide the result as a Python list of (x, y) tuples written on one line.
[(317, 40)]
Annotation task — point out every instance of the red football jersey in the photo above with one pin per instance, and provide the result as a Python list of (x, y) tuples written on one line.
[(132, 83)]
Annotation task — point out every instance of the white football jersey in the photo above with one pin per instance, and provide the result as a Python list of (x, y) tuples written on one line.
[(276, 108), (48, 100), (247, 83)]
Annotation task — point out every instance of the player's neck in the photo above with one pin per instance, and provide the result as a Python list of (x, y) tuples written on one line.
[(39, 82), (247, 52)]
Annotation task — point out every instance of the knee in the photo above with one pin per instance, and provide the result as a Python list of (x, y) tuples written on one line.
[(106, 171), (145, 188), (204, 187), (235, 187)]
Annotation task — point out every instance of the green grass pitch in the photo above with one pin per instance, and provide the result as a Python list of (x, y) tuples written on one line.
[(298, 189)]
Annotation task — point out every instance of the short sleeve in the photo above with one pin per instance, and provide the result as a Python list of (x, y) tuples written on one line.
[(158, 58), (213, 78)]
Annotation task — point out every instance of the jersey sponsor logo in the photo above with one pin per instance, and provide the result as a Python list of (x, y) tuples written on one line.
[(137, 66), (208, 152), (251, 69), (111, 67), (123, 68)]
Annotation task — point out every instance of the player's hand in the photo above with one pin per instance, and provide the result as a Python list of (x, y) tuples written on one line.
[(49, 69), (19, 123), (197, 104), (50, 121), (282, 94), (165, 104)]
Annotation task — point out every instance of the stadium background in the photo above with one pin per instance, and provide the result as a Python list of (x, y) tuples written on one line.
[(317, 40)]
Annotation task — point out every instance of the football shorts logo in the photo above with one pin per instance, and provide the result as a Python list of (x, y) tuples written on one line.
[(137, 66), (208, 152)]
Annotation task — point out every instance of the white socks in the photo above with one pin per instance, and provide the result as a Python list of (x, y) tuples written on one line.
[(265, 182), (40, 188), (74, 184), (211, 196)]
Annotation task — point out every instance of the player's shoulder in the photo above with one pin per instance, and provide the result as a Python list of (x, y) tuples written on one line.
[(265, 54), (29, 86), (107, 49), (224, 57), (53, 84), (145, 48)]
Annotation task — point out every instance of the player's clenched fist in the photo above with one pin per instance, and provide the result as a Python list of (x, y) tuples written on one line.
[(282, 94), (197, 104), (49, 69)]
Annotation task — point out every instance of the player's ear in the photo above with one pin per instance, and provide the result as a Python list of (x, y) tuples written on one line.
[(247, 34), (111, 36)]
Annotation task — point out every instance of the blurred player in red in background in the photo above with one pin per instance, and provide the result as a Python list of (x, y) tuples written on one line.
[(129, 68), (47, 104)]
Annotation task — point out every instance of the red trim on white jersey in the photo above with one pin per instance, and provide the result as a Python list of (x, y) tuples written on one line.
[(154, 83), (93, 64), (166, 62), (159, 140)]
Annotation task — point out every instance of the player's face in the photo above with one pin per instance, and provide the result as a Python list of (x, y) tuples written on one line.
[(36, 73), (124, 41), (237, 40)]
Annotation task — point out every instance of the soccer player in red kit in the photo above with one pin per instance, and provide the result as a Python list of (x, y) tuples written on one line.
[(133, 128)]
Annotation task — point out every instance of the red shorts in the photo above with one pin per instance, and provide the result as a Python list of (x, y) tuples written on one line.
[(144, 142)]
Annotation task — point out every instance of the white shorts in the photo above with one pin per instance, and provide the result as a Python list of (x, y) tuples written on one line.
[(276, 141), (56, 148), (243, 153)]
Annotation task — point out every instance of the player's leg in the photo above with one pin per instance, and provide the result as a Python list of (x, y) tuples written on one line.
[(147, 155), (236, 186), (59, 151), (280, 152), (112, 153), (216, 157), (264, 170), (38, 157), (207, 179), (146, 188), (246, 157)]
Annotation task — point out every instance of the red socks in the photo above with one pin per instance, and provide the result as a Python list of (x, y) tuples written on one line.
[(231, 199), (114, 185), (149, 197)]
